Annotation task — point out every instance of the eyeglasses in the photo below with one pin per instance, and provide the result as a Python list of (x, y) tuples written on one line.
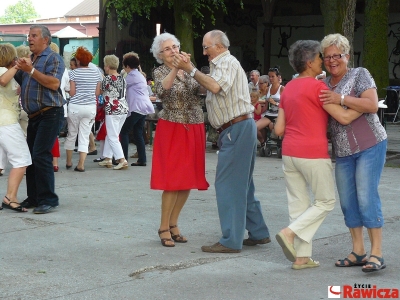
[(206, 47), (334, 56), (174, 47)]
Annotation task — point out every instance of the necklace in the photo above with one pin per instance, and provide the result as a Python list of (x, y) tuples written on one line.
[(334, 86)]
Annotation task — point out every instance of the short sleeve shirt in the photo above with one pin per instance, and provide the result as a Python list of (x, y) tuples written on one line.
[(364, 132), (9, 105)]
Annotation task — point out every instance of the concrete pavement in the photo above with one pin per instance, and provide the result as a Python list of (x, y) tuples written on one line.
[(102, 243)]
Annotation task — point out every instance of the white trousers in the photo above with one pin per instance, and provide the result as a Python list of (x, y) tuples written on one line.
[(13, 147), (306, 214), (80, 121), (112, 145)]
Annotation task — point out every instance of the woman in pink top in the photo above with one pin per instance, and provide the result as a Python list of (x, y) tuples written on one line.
[(303, 119)]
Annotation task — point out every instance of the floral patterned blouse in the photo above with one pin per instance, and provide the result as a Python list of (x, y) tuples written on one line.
[(364, 132), (181, 103), (113, 87)]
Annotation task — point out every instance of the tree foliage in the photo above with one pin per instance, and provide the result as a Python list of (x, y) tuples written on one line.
[(184, 12), (126, 8), (21, 12)]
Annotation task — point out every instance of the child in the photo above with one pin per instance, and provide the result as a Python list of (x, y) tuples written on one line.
[(254, 96)]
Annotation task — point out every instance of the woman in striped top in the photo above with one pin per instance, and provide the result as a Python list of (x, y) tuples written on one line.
[(84, 87)]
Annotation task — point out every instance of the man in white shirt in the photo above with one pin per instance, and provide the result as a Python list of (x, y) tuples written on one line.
[(253, 84)]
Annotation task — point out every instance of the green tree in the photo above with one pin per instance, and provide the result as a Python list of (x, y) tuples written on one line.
[(339, 17), (184, 12), (375, 55), (21, 12)]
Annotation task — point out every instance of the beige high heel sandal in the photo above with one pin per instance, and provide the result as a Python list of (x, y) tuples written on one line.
[(121, 166), (106, 163)]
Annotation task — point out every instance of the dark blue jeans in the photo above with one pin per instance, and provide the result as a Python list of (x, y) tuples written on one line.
[(42, 132), (135, 121)]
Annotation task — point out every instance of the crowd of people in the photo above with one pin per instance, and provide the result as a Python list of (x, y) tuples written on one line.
[(238, 109)]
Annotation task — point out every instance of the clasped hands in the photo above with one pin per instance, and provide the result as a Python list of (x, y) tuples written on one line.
[(24, 64), (182, 61)]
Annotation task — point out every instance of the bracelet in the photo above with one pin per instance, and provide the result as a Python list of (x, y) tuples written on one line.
[(31, 73), (342, 100)]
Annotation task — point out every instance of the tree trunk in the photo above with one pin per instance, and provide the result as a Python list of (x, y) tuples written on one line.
[(330, 15), (184, 26), (339, 17), (375, 56), (268, 9)]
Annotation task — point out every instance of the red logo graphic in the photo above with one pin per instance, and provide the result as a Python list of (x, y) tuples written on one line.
[(362, 291), (334, 291)]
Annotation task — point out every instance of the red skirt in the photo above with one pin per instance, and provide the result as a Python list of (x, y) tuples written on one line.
[(179, 157), (56, 149)]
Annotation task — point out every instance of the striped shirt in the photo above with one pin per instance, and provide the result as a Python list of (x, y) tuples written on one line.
[(35, 96), (85, 80), (233, 100)]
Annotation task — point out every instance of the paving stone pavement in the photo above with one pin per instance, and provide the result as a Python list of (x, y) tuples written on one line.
[(102, 243)]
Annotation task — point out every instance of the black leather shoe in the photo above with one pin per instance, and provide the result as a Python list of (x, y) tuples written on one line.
[(98, 159), (43, 209), (27, 204), (94, 152), (138, 164)]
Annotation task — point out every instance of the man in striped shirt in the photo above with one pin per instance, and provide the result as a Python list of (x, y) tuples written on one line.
[(230, 112), (41, 98)]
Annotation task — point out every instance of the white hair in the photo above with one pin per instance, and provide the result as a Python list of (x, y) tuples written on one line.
[(158, 41)]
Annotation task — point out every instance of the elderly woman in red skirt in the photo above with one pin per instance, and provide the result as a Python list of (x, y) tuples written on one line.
[(179, 146)]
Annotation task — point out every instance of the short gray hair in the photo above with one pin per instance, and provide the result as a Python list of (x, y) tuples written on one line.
[(256, 72), (263, 78), (337, 40), (301, 52), (45, 32), (23, 51), (220, 37), (157, 42), (111, 61)]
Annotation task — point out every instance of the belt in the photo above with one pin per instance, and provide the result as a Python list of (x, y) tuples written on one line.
[(234, 121), (39, 112)]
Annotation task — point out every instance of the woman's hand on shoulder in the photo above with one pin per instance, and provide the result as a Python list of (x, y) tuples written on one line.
[(329, 97)]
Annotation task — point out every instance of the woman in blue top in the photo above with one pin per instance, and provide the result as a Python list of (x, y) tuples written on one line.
[(139, 105)]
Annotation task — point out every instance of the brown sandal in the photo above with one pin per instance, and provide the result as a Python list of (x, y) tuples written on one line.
[(165, 240), (177, 237)]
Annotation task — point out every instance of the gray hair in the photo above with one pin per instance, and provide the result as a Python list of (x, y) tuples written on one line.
[(111, 61), (255, 72), (337, 40), (45, 32), (220, 37), (157, 42), (264, 78), (23, 51), (301, 52)]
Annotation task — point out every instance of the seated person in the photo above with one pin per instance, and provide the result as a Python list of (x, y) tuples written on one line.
[(270, 110), (255, 97)]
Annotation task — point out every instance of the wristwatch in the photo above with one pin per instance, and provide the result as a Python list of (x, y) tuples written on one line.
[(193, 72)]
